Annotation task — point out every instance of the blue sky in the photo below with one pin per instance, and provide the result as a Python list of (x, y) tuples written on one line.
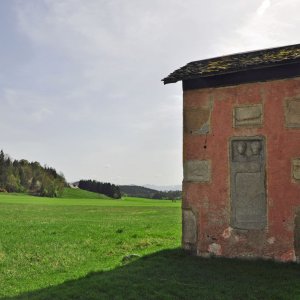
[(80, 85)]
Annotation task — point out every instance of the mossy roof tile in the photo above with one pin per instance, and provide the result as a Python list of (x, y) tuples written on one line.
[(236, 63)]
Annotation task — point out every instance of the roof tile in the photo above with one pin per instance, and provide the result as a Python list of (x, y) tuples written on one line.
[(236, 62)]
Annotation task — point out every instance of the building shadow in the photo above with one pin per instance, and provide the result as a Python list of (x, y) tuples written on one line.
[(172, 274)]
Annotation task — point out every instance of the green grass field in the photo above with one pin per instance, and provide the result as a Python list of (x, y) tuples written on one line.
[(45, 241), (81, 194), (77, 248)]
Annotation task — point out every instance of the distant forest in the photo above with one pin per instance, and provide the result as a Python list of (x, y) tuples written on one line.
[(22, 176), (142, 192), (29, 177), (105, 188)]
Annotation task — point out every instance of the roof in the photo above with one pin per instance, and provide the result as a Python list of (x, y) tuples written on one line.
[(236, 63)]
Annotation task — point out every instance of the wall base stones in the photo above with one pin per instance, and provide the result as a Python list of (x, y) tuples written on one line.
[(189, 230), (297, 236)]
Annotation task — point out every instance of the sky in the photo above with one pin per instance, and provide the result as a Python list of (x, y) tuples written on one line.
[(80, 80)]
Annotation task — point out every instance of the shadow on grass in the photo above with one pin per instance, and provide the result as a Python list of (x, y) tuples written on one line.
[(171, 274)]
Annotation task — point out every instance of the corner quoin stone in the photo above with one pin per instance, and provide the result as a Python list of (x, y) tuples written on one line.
[(189, 229), (197, 170), (297, 235), (248, 116), (196, 120)]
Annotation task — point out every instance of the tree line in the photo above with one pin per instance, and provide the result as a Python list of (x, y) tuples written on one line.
[(105, 188), (22, 176), (167, 195), (143, 192)]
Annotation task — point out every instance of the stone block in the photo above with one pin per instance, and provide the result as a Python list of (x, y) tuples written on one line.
[(297, 235), (197, 170), (296, 168), (292, 113), (196, 120), (248, 116), (189, 229)]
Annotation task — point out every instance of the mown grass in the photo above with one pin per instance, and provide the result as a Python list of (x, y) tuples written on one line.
[(45, 241), (81, 194), (75, 249)]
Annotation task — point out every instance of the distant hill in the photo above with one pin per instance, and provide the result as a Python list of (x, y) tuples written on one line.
[(137, 191), (162, 192), (106, 188), (81, 194), (22, 176), (143, 192), (164, 188)]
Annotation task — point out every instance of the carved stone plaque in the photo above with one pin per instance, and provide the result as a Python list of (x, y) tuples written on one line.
[(248, 192), (248, 116), (189, 229), (292, 113), (197, 170)]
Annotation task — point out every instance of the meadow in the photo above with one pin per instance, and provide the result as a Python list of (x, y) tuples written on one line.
[(85, 246)]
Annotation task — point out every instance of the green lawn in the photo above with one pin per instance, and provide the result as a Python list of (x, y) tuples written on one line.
[(78, 248), (45, 241), (81, 194)]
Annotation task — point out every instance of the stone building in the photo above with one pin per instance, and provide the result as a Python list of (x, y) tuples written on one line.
[(241, 154)]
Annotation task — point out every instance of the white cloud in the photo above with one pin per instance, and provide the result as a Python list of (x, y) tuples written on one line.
[(272, 24), (263, 7)]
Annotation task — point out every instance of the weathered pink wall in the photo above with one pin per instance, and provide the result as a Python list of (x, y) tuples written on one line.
[(210, 201)]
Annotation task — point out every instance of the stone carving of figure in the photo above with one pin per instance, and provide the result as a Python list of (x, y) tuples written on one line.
[(241, 148), (255, 147)]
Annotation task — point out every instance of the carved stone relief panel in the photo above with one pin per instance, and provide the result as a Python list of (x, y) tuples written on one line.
[(197, 170), (248, 116), (248, 191), (189, 229), (292, 113), (296, 168)]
